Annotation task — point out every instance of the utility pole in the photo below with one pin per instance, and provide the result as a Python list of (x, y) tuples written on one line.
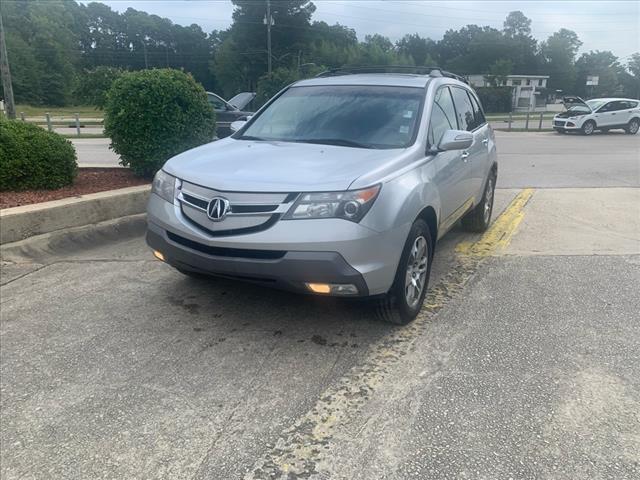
[(5, 73), (269, 21)]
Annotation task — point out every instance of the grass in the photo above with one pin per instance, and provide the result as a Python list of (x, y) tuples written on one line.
[(38, 111)]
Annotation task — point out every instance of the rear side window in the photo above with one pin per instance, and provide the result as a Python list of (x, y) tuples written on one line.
[(464, 109), (477, 111), (443, 116)]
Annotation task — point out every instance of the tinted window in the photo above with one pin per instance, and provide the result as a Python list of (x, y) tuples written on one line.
[(353, 116), (443, 116), (609, 107), (477, 111), (464, 109)]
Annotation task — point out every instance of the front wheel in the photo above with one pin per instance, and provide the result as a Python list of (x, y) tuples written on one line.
[(406, 296), (589, 127), (633, 126)]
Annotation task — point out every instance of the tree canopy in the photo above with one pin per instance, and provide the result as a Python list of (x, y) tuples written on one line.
[(60, 50)]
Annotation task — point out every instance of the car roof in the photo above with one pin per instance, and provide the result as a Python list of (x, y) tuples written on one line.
[(612, 99), (378, 79)]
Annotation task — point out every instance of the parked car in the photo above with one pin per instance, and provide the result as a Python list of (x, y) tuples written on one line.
[(602, 114), (228, 111), (340, 185)]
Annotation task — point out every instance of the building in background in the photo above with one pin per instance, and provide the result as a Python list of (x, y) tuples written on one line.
[(529, 91)]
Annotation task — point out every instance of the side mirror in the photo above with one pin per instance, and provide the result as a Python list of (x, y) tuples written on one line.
[(455, 140), (237, 125)]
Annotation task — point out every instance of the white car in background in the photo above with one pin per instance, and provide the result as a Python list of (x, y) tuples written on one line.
[(601, 114)]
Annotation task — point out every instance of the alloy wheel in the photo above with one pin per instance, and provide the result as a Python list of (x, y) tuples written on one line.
[(488, 201), (416, 274)]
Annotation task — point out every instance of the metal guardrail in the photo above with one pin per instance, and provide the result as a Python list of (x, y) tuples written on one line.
[(75, 122)]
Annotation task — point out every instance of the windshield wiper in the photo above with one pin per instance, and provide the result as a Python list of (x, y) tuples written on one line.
[(334, 141), (249, 137)]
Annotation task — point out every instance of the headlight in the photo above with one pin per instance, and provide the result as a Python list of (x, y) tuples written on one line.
[(164, 185), (350, 205)]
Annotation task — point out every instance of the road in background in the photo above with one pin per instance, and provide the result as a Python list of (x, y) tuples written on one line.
[(527, 159), (95, 152)]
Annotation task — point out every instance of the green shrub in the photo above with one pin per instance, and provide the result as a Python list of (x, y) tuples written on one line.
[(495, 99), (152, 115), (33, 158)]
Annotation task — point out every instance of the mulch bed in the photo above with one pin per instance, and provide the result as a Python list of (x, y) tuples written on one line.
[(89, 180)]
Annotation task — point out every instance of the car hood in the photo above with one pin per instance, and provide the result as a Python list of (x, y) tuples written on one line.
[(241, 100), (569, 114), (262, 166), (571, 101)]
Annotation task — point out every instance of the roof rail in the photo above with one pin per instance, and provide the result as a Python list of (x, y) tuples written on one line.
[(410, 69)]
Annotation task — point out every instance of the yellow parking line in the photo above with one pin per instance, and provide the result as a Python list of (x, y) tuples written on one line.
[(499, 235)]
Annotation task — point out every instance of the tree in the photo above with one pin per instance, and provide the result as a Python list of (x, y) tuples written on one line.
[(517, 24), (605, 66), (93, 85), (631, 81), (421, 50), (498, 72), (559, 51)]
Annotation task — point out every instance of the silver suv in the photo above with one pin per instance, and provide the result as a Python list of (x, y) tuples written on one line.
[(340, 185)]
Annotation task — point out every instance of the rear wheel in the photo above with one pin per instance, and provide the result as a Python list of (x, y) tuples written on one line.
[(633, 126), (406, 296), (589, 127), (478, 219)]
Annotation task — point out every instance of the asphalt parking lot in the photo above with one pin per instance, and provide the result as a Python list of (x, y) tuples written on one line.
[(525, 362)]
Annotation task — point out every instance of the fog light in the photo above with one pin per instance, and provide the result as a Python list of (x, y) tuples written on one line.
[(571, 124), (333, 288), (158, 255)]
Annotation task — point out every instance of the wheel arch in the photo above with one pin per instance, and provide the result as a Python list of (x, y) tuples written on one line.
[(428, 214)]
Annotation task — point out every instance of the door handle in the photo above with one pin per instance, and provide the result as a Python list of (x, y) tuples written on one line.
[(464, 156), (485, 142)]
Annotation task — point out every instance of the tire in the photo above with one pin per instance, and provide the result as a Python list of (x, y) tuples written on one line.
[(633, 126), (402, 303), (479, 219), (589, 127)]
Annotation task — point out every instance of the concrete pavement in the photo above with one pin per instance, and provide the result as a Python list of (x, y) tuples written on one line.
[(523, 363)]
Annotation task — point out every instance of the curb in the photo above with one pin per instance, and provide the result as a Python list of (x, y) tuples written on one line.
[(43, 248), (26, 221)]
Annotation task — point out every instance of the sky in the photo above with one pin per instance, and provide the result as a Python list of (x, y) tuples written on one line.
[(601, 25)]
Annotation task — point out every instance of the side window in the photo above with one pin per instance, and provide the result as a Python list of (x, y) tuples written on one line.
[(477, 111), (623, 105), (464, 109), (607, 107), (443, 116)]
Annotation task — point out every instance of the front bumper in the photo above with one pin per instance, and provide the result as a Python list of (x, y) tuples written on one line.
[(564, 125), (284, 270), (314, 251)]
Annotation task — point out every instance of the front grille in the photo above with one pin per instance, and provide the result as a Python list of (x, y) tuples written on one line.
[(227, 252), (248, 212), (558, 124), (198, 202)]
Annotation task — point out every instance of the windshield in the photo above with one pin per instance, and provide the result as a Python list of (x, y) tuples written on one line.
[(579, 108), (595, 104), (352, 116)]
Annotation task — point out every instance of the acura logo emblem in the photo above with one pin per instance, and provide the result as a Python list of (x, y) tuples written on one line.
[(218, 208)]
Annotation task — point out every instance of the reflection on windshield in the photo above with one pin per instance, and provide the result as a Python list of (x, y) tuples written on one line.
[(354, 116)]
